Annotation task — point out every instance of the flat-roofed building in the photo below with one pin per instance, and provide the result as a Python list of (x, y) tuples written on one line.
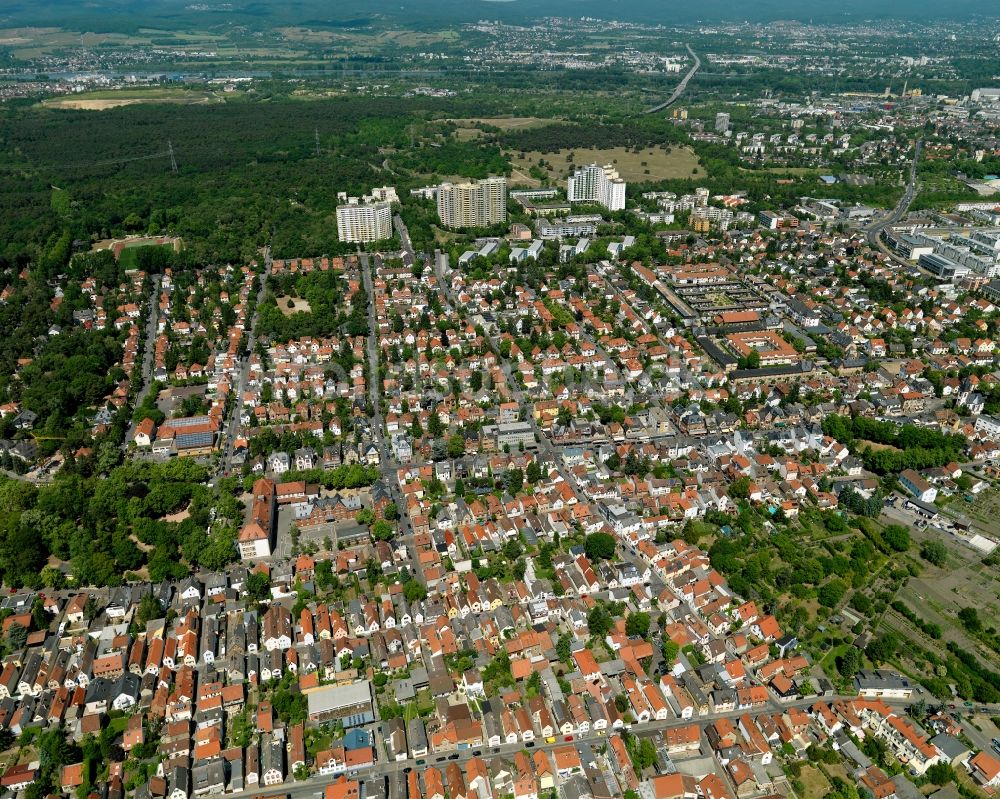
[(515, 434), (350, 704), (364, 222), (882, 683), (941, 267), (597, 184)]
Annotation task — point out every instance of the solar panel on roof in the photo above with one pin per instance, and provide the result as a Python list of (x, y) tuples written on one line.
[(194, 439)]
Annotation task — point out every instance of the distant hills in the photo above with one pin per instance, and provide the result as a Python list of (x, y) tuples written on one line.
[(129, 15)]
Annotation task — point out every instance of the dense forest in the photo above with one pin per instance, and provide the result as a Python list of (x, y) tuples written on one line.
[(76, 370), (454, 158), (248, 173)]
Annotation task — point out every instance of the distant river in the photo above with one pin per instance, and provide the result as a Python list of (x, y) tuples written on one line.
[(186, 77)]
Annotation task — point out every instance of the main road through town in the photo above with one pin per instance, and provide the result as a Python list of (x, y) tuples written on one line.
[(313, 786), (874, 231), (387, 462)]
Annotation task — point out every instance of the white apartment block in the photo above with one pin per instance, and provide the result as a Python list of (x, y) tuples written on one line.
[(364, 222), (597, 184), (384, 194), (481, 203)]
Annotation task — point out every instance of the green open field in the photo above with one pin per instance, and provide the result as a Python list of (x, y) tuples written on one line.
[(649, 164), (985, 511), (784, 170), (815, 783), (130, 252), (467, 130), (130, 255)]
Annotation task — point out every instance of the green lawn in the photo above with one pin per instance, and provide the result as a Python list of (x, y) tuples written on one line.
[(829, 661), (117, 725), (130, 255)]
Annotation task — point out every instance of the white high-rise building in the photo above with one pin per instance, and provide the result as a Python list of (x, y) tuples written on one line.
[(364, 222), (721, 122), (482, 203), (597, 184)]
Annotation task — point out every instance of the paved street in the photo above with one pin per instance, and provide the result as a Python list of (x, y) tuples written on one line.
[(147, 354), (387, 463), (409, 257), (680, 86), (874, 231), (232, 426)]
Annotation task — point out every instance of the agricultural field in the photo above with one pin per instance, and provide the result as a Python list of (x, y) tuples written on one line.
[(358, 42), (39, 42), (939, 593), (985, 511), (648, 164)]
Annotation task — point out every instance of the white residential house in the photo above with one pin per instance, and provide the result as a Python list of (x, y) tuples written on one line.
[(279, 462)]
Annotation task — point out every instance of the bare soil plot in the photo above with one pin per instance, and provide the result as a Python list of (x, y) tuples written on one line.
[(290, 305), (467, 127), (108, 100), (649, 164), (90, 105), (179, 516), (140, 544)]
